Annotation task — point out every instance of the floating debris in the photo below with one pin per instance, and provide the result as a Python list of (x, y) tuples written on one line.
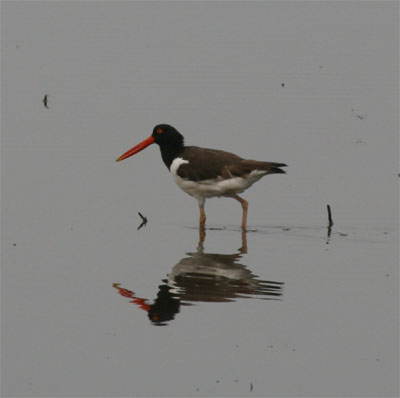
[(359, 115), (330, 223), (328, 207), (144, 220), (45, 100), (360, 141)]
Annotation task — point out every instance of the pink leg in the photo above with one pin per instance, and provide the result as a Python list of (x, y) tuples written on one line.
[(202, 216), (245, 206)]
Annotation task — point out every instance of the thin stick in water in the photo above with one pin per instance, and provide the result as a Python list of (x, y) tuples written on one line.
[(329, 215)]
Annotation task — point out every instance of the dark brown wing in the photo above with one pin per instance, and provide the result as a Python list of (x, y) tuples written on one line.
[(206, 164)]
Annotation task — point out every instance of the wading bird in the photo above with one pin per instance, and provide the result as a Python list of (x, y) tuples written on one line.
[(205, 173)]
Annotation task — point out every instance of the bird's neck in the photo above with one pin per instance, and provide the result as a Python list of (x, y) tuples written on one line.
[(170, 152)]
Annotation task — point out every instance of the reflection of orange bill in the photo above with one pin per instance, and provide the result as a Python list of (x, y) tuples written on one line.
[(140, 302)]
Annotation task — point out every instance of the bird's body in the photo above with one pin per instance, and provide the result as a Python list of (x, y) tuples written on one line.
[(220, 173), (205, 173)]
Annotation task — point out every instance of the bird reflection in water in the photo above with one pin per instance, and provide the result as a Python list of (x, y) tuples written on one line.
[(204, 277)]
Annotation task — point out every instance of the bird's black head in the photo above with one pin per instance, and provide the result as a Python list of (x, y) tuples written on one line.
[(166, 135), (170, 141)]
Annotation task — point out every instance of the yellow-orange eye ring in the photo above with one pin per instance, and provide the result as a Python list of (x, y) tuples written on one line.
[(159, 131)]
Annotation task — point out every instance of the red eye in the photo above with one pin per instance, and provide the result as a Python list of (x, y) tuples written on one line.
[(159, 131)]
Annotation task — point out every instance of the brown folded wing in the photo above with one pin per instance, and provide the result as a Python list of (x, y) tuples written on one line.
[(207, 164)]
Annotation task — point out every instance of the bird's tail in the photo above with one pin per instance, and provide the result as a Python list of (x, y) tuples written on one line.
[(269, 167), (276, 168)]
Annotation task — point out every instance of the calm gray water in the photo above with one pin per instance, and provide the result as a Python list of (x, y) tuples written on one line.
[(92, 306)]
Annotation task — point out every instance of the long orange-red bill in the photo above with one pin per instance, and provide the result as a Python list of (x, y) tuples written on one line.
[(137, 148)]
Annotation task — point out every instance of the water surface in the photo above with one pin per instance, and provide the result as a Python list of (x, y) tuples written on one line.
[(93, 306)]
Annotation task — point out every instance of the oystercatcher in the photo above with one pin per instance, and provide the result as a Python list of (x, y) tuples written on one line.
[(205, 173)]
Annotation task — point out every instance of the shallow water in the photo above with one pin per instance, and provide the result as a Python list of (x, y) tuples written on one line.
[(93, 306)]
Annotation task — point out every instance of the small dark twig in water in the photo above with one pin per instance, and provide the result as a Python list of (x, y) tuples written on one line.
[(251, 387), (330, 223), (45, 100), (329, 216), (144, 220)]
